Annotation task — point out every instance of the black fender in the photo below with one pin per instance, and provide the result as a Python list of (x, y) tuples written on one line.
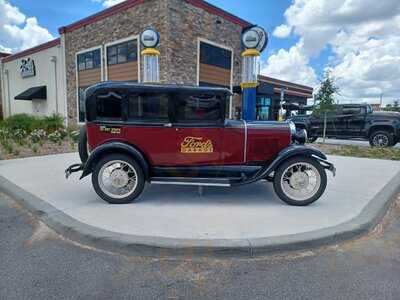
[(291, 151), (115, 147), (288, 152)]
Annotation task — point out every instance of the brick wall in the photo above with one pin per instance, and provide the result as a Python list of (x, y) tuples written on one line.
[(119, 26), (188, 23), (180, 25)]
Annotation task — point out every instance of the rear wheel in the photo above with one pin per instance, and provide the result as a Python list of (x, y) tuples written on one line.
[(118, 179), (300, 181), (381, 139)]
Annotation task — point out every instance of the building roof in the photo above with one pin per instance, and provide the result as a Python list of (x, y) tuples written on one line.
[(3, 54), (30, 51), (290, 88), (131, 3)]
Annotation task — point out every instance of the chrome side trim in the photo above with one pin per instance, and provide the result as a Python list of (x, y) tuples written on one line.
[(190, 183), (245, 142)]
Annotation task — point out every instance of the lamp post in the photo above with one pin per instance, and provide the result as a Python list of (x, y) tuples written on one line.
[(255, 40), (150, 39)]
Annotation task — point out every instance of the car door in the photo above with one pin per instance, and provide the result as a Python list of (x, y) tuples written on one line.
[(355, 119), (148, 127), (340, 122), (197, 129)]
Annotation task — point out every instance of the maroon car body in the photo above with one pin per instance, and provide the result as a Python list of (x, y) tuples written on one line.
[(173, 134)]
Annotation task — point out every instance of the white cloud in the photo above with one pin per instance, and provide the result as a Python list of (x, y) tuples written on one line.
[(108, 3), (290, 65), (364, 36), (282, 31), (17, 32)]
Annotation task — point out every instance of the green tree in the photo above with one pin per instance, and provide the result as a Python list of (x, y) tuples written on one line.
[(325, 97)]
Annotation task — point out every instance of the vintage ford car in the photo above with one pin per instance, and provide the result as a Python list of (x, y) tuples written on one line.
[(173, 134)]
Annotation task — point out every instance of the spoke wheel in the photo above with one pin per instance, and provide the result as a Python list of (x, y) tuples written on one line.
[(300, 181), (118, 179)]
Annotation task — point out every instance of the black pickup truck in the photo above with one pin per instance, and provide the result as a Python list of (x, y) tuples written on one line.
[(353, 121)]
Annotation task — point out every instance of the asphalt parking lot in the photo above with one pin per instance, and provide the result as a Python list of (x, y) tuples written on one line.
[(38, 264), (252, 211)]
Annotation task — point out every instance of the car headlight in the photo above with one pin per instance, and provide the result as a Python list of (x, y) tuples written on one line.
[(292, 128)]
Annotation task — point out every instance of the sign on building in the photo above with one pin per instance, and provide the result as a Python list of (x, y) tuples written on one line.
[(27, 68)]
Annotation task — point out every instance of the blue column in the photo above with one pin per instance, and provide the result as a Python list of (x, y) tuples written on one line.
[(249, 104)]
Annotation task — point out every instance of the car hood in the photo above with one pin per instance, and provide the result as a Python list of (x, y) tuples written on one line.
[(386, 114)]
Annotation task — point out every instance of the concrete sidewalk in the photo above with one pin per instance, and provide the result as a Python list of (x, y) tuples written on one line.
[(177, 215)]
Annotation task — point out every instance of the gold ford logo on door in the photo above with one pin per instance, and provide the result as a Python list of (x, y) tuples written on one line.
[(196, 145)]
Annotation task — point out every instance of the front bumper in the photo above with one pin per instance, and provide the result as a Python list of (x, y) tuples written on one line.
[(327, 165)]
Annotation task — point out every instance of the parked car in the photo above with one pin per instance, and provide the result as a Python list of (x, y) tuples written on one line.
[(171, 134), (349, 121)]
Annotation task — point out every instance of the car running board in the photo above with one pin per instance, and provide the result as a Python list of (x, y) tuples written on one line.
[(223, 182)]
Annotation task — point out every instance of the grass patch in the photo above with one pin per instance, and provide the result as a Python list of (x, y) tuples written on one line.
[(359, 151)]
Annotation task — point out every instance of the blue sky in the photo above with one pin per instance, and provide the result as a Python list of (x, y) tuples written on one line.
[(357, 40)]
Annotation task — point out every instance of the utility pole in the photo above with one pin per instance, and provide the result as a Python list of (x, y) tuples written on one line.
[(381, 102)]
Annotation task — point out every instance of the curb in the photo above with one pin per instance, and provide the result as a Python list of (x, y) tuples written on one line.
[(126, 244)]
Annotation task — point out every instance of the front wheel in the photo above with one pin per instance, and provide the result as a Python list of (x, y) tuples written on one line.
[(118, 179), (300, 181), (381, 139)]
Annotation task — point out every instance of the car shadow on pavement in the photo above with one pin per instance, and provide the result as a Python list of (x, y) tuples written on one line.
[(257, 194)]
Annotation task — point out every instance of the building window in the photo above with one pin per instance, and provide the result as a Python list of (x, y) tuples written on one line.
[(263, 108), (148, 107), (122, 53), (215, 56), (89, 60), (195, 108)]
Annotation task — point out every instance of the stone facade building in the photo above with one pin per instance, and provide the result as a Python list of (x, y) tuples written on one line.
[(182, 25), (200, 44)]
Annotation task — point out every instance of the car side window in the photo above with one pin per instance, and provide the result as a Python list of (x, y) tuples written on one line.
[(148, 107), (198, 109), (351, 110), (109, 106)]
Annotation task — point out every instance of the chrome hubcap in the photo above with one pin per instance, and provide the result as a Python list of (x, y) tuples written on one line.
[(300, 181), (381, 140), (117, 179)]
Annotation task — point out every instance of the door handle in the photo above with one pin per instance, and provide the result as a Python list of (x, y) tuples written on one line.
[(169, 125)]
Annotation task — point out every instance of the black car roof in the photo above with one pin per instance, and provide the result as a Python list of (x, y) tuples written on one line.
[(153, 87)]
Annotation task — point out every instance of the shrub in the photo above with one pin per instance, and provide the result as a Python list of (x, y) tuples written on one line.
[(8, 146), (30, 123), (5, 134), (55, 137), (74, 136), (52, 123), (38, 135), (23, 122), (35, 148)]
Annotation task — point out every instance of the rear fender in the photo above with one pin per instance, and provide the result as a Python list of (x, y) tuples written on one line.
[(115, 147)]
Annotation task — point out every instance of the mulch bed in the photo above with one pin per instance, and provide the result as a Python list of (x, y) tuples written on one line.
[(47, 148)]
